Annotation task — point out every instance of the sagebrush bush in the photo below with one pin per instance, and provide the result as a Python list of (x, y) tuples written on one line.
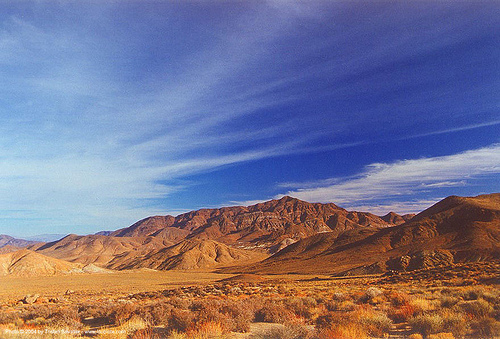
[(122, 312), (398, 299), (179, 303), (401, 314), (66, 317), (455, 323), (288, 331), (241, 315), (180, 320), (376, 324), (343, 331), (9, 317), (486, 328), (302, 307), (478, 308), (448, 301), (155, 314), (273, 312), (426, 324)]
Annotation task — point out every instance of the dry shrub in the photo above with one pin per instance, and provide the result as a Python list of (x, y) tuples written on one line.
[(448, 301), (327, 320), (95, 310), (401, 314), (486, 328), (473, 293), (37, 322), (66, 317), (455, 323), (208, 330), (302, 307), (372, 294), (9, 317), (155, 314), (273, 312), (398, 299), (145, 333), (287, 331), (479, 308), (179, 303), (332, 305), (339, 296), (122, 312), (346, 306), (343, 331), (376, 324), (36, 311), (421, 305), (442, 335), (241, 315), (181, 320), (426, 324), (373, 322)]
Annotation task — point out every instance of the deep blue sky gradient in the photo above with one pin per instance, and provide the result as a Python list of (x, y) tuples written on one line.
[(113, 111)]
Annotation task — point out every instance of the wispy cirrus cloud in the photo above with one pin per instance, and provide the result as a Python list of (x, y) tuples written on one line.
[(86, 145), (393, 182), (108, 109)]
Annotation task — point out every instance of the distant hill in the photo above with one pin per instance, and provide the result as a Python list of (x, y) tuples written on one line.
[(103, 233), (46, 237), (455, 229), (6, 240)]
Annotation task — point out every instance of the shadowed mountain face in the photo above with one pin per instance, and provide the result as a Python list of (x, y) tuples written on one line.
[(302, 237), (453, 230)]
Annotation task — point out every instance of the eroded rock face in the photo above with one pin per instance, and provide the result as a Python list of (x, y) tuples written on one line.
[(420, 260)]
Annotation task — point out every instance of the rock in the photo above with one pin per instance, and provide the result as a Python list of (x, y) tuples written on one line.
[(373, 292), (68, 292), (30, 299), (42, 300)]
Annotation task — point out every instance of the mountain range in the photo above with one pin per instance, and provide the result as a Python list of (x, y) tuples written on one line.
[(288, 235)]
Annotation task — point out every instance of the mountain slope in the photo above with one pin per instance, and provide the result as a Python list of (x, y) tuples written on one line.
[(98, 249), (190, 254), (209, 237), (264, 225), (455, 229)]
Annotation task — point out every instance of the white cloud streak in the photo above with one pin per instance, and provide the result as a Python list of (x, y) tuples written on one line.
[(82, 142), (383, 181)]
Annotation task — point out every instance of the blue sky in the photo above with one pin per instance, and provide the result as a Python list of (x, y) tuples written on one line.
[(113, 111)]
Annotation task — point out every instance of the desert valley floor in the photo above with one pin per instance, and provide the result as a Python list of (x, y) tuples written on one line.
[(281, 269)]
